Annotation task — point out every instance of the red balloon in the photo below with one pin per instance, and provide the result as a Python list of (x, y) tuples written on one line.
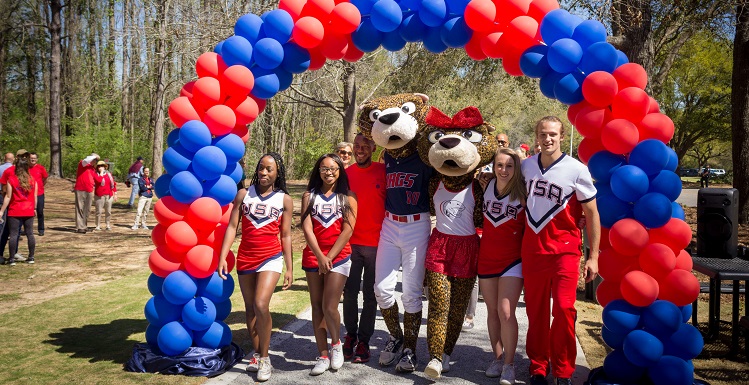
[(201, 261), (181, 111), (237, 80), (187, 89), (511, 63), (680, 287), (241, 131), (353, 54), (218, 236), (675, 234), (180, 237), (628, 237), (207, 93), (293, 7), (344, 18), (658, 260), (246, 112), (654, 106), (539, 8), (587, 148), (491, 44), (619, 136), (319, 9), (157, 235), (511, 9), (605, 243), (210, 64), (203, 214), (639, 288), (231, 261), (317, 59), (591, 120), (608, 291), (575, 109), (521, 33), (599, 88), (163, 261), (168, 210), (656, 126), (308, 32), (480, 14), (334, 46), (226, 214), (630, 103), (220, 120), (612, 266), (684, 261), (261, 103), (631, 75)]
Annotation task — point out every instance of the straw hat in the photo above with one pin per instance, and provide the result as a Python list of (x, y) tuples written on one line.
[(102, 163)]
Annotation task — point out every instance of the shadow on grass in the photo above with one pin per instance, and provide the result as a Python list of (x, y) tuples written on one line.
[(104, 342)]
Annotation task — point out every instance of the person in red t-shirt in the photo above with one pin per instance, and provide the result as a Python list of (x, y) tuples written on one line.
[(20, 200), (367, 181), (40, 176), (105, 193), (84, 191)]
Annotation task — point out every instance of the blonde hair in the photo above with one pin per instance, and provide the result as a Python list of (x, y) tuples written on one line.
[(516, 186), (549, 119)]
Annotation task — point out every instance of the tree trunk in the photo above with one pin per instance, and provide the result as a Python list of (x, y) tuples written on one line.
[(157, 108), (349, 102), (55, 163), (740, 109)]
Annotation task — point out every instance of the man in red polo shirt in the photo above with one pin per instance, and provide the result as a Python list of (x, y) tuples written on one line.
[(40, 175), (84, 191)]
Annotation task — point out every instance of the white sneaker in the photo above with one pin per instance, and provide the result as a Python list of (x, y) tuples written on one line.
[(391, 352), (253, 364), (109, 228), (135, 227), (264, 369), (508, 375), (336, 356), (433, 369), (494, 369), (321, 366), (467, 325), (97, 228), (19, 257), (445, 363), (144, 227)]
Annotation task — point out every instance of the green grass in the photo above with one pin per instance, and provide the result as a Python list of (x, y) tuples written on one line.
[(85, 337)]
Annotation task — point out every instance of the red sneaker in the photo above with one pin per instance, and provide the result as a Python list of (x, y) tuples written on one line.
[(349, 342), (362, 352)]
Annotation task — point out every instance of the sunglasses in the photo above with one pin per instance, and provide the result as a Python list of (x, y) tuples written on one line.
[(342, 152)]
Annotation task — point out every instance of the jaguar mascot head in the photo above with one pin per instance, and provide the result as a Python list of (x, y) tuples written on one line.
[(394, 121)]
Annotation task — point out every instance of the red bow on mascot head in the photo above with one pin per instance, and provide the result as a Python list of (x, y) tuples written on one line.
[(466, 118)]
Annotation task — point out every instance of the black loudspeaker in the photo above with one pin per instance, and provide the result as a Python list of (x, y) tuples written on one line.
[(717, 222)]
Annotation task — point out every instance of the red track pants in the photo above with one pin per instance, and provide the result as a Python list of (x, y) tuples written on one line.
[(552, 276)]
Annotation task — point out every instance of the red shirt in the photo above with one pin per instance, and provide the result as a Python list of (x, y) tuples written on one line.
[(40, 174), (22, 202), (370, 188), (105, 185), (6, 174), (84, 180)]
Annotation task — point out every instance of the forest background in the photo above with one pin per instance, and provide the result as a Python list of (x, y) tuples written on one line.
[(86, 75)]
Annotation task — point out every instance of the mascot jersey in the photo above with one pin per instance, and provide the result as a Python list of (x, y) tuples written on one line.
[(553, 207), (504, 221), (261, 220), (327, 224), (407, 185)]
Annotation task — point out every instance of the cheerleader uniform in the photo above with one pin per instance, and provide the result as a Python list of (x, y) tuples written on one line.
[(504, 222), (327, 224), (260, 249)]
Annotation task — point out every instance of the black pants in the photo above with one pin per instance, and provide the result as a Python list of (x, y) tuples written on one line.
[(362, 259), (40, 212), (705, 181), (15, 230)]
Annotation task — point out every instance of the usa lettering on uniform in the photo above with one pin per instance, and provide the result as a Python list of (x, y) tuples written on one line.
[(261, 210), (545, 189), (496, 209)]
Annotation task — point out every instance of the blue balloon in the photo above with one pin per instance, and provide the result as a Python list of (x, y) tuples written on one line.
[(433, 41), (234, 171), (686, 343), (589, 32), (642, 348), (661, 318), (159, 311), (456, 7), (686, 312), (154, 284), (161, 186), (176, 159), (295, 58), (218, 47), (152, 336), (548, 82), (223, 309), (285, 78), (237, 51), (618, 368), (455, 33), (629, 183), (613, 340), (232, 146), (564, 55), (533, 61), (393, 41), (569, 89), (599, 57), (209, 163), (364, 6), (366, 37), (174, 338), (603, 163), (215, 288), (194, 135), (268, 53), (249, 26), (412, 29), (173, 137), (266, 83), (621, 58), (185, 187), (179, 287), (433, 12), (277, 25), (214, 337), (386, 15), (666, 183), (602, 188), (670, 370), (199, 313), (677, 211), (651, 155), (653, 210), (673, 160), (620, 317), (222, 189), (612, 209), (558, 24)]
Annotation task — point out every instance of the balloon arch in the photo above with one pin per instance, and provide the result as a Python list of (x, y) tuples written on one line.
[(648, 286)]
